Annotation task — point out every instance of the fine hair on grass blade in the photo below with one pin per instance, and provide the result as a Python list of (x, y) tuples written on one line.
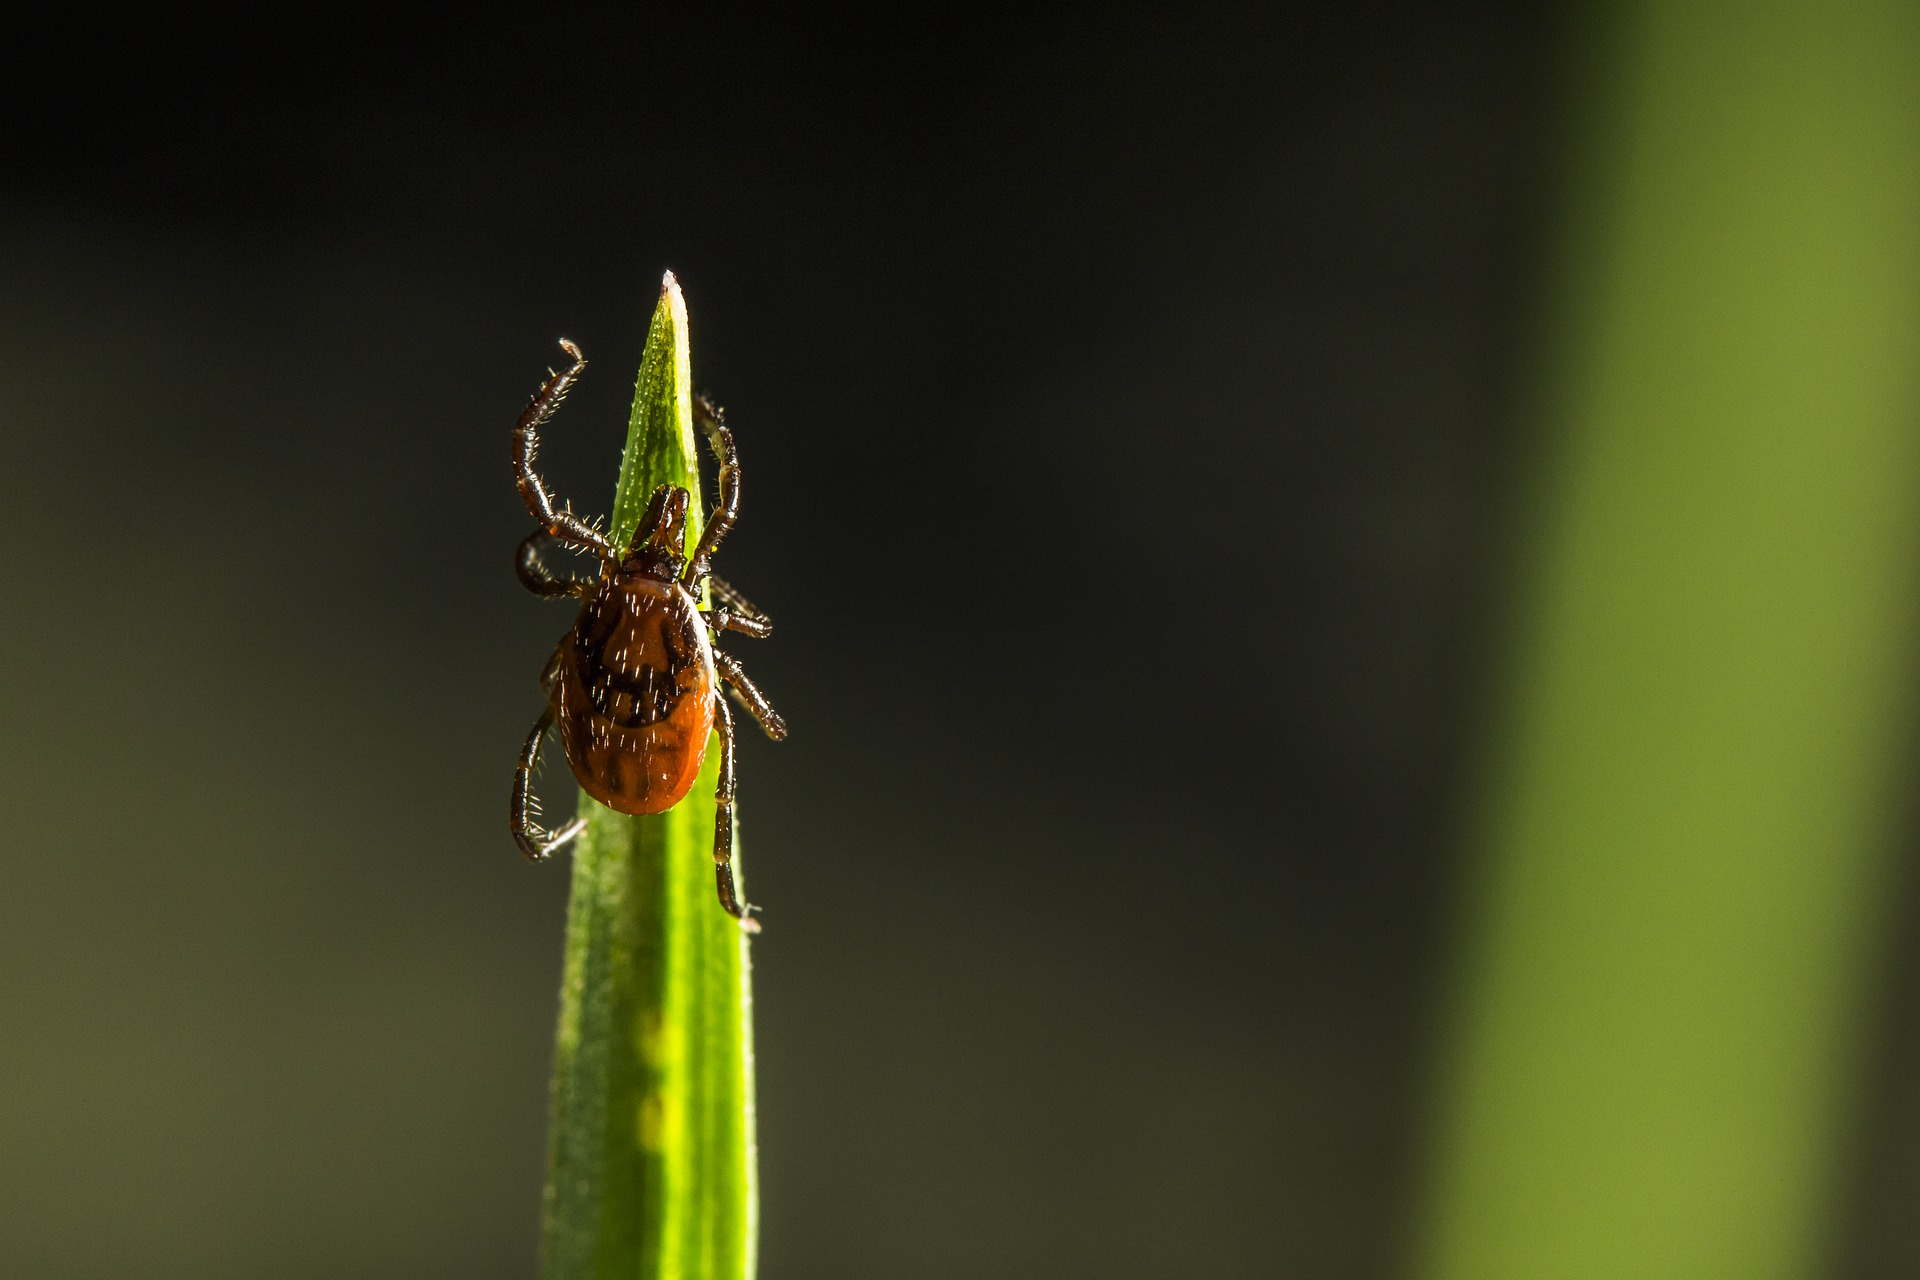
[(651, 1166)]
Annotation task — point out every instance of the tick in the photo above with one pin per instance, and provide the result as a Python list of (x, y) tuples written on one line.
[(635, 686)]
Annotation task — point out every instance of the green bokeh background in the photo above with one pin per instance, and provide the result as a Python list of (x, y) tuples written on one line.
[(1689, 827)]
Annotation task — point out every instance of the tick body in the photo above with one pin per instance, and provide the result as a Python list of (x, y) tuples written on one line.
[(634, 697), (636, 684)]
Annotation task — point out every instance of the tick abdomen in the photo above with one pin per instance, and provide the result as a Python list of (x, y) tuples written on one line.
[(634, 697)]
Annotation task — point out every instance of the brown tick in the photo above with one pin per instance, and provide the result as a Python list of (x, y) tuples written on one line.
[(635, 684)]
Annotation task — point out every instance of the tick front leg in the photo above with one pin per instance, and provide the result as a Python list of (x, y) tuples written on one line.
[(535, 576), (749, 694), (559, 522), (536, 843), (723, 821), (707, 415)]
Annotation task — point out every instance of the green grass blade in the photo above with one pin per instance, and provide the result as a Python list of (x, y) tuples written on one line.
[(1677, 909), (652, 1163)]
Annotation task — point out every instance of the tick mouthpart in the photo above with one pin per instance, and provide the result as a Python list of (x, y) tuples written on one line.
[(664, 523), (660, 539)]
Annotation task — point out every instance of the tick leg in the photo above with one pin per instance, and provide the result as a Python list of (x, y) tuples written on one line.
[(728, 597), (536, 577), (723, 821), (734, 612), (559, 522), (711, 420), (721, 620), (536, 843), (749, 694)]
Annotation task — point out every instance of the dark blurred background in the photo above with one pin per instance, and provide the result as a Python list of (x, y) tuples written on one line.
[(1126, 399)]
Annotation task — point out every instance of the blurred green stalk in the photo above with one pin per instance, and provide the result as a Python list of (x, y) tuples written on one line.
[(1674, 920), (651, 1170)]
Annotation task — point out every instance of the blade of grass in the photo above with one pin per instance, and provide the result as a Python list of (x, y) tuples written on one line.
[(651, 1172), (1691, 826)]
